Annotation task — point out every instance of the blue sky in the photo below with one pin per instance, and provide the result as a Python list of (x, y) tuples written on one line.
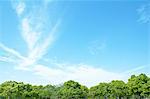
[(49, 41)]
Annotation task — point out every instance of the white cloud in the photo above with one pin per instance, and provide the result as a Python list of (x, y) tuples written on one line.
[(83, 73), (6, 59), (14, 57), (20, 8), (33, 27), (37, 52), (87, 75), (11, 51), (135, 69), (41, 48), (144, 13), (30, 37)]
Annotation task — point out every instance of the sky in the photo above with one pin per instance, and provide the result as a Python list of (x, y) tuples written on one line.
[(52, 41)]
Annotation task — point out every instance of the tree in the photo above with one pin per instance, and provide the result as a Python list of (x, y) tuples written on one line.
[(99, 91), (47, 92), (7, 89), (118, 89), (72, 90), (138, 87), (136, 84), (146, 90)]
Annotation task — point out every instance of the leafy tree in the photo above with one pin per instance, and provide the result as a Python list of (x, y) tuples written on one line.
[(47, 92), (7, 89), (118, 89), (136, 85), (72, 90), (146, 89), (99, 91)]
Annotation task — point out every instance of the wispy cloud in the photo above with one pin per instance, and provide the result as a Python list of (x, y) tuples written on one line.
[(32, 31), (144, 13), (19, 6), (6, 59), (137, 69), (11, 51), (96, 46), (85, 74), (29, 35), (33, 21)]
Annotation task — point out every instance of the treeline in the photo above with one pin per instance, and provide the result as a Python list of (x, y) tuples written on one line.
[(137, 87)]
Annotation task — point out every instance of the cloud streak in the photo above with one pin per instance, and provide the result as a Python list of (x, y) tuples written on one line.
[(11, 51), (137, 69), (144, 13), (33, 27), (6, 59), (33, 20)]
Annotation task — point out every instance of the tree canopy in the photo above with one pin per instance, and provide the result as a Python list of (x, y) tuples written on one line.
[(137, 87)]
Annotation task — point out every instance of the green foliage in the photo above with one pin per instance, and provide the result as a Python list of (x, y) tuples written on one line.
[(118, 89), (137, 87), (100, 90), (72, 90)]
